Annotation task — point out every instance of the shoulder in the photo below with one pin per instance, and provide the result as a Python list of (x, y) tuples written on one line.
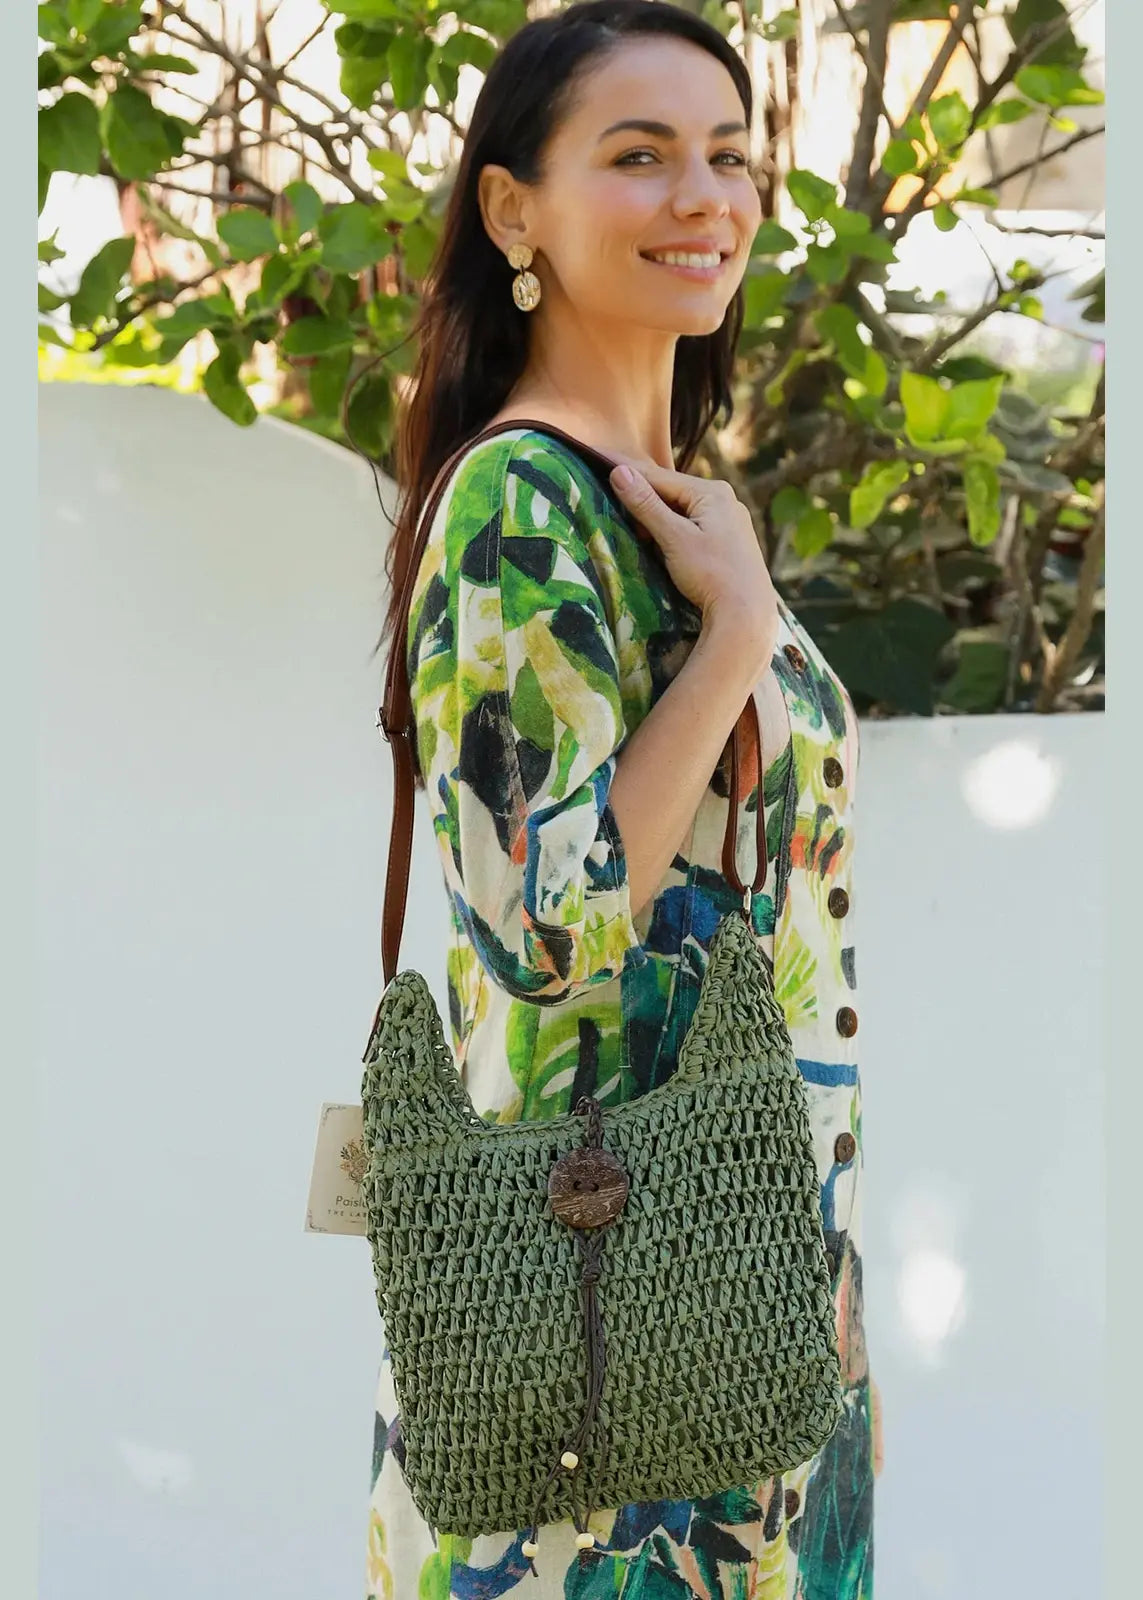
[(534, 483)]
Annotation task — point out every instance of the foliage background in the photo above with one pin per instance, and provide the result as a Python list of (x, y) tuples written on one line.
[(932, 508)]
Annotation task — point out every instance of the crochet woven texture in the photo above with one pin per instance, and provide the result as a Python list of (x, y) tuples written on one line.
[(721, 1353)]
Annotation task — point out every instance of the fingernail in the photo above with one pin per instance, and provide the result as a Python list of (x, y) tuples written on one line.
[(624, 477)]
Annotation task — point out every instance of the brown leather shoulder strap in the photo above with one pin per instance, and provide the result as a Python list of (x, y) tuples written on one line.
[(396, 721)]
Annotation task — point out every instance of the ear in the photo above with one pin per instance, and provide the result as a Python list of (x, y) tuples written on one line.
[(411, 1091), (737, 1017), (502, 207)]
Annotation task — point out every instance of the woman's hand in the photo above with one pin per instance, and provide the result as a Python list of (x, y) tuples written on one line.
[(710, 547)]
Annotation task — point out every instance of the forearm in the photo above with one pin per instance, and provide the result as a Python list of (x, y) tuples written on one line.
[(665, 767)]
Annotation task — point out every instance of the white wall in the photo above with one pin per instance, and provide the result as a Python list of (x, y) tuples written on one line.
[(214, 825)]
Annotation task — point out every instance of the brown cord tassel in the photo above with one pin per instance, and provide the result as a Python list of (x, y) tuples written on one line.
[(589, 1247)]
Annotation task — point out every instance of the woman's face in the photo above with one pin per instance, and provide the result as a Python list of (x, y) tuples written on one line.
[(676, 175)]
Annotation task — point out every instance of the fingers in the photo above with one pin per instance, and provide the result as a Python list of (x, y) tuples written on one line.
[(644, 504)]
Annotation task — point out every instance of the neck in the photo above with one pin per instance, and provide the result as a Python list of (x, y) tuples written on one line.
[(607, 384)]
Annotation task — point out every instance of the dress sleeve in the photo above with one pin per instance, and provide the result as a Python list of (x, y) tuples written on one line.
[(542, 865)]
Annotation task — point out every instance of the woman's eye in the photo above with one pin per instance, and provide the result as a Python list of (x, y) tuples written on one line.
[(737, 158)]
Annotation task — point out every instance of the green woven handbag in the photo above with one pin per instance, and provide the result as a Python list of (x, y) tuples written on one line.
[(623, 1303)]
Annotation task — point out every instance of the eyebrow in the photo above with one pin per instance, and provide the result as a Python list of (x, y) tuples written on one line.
[(663, 130)]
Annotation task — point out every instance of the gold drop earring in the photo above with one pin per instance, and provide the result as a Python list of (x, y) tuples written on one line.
[(525, 285)]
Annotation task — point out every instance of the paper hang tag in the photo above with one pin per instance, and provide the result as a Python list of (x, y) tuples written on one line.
[(336, 1204)]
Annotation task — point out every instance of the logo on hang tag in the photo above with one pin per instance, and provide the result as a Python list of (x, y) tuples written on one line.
[(336, 1203)]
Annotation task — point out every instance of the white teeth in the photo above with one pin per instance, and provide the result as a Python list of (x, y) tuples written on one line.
[(678, 258)]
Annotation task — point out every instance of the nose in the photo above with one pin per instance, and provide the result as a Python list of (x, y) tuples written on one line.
[(699, 190)]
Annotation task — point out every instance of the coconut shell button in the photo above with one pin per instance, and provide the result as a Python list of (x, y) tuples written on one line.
[(833, 772), (587, 1187), (838, 902), (847, 1022), (794, 656), (844, 1148)]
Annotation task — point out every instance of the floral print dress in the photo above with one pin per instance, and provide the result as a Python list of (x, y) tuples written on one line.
[(543, 627)]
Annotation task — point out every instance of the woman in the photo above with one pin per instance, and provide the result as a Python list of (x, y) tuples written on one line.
[(579, 652)]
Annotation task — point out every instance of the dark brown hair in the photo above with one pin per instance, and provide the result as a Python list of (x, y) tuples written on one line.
[(472, 338)]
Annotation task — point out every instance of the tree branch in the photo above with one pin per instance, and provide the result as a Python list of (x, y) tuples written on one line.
[(861, 162), (1037, 39), (1061, 663), (948, 46)]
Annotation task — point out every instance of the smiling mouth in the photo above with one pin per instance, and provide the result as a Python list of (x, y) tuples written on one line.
[(695, 264)]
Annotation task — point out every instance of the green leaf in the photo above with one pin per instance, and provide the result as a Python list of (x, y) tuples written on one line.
[(900, 156), (788, 504), (838, 326), (926, 406), (812, 195), (772, 239), (139, 138), (764, 292), (498, 17), (950, 119), (980, 197), (361, 77), (370, 414), (408, 69), (813, 533), (101, 281), (1001, 112), (115, 26), (313, 336), (827, 263), (48, 251), (402, 203), (327, 379), (980, 678), (306, 205), (83, 13), (1056, 86), (876, 377), (987, 447), (943, 216), (982, 500), (848, 224), (1030, 305), (780, 28), (69, 135), (472, 49), (46, 334), (48, 299), (892, 656), (970, 405), (281, 274), (419, 243), (959, 369), (51, 23), (247, 233), (163, 63), (873, 246), (224, 387), (353, 237), (877, 484), (374, 10), (183, 323), (389, 163)]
